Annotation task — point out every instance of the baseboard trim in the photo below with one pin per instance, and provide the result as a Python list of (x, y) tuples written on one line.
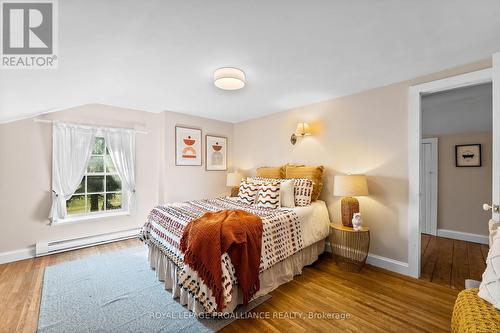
[(30, 252), (382, 262), (465, 236), (16, 255)]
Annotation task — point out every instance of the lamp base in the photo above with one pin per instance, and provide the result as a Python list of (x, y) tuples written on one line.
[(234, 191), (348, 207)]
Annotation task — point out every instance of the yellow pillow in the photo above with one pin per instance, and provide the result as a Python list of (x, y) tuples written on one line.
[(271, 172), (314, 173)]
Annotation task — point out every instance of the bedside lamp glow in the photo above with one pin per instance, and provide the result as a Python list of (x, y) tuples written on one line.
[(233, 180), (348, 187)]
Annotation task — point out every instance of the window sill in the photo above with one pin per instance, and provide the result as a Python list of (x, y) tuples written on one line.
[(90, 217)]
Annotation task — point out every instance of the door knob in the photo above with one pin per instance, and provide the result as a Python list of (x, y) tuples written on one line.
[(496, 208)]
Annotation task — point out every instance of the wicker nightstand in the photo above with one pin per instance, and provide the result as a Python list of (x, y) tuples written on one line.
[(349, 247)]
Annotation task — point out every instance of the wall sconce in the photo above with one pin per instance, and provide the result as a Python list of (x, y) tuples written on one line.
[(302, 130)]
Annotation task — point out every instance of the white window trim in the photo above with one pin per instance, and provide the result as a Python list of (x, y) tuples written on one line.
[(93, 216)]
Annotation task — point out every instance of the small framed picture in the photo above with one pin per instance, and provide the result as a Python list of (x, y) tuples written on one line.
[(216, 153), (187, 146), (468, 155)]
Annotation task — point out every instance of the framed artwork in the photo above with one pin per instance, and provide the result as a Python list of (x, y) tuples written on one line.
[(187, 146), (468, 155), (216, 153)]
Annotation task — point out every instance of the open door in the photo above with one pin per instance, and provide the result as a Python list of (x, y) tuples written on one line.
[(429, 186), (495, 204)]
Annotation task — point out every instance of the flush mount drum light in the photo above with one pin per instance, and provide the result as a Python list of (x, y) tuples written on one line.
[(229, 78)]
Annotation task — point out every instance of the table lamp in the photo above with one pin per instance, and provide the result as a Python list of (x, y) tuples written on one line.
[(348, 187), (233, 180)]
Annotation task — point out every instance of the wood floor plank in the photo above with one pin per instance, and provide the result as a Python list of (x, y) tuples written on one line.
[(442, 270), (460, 265), (429, 259), (477, 264), (376, 300), (484, 250)]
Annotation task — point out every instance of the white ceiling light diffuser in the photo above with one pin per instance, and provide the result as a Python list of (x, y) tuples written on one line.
[(229, 78)]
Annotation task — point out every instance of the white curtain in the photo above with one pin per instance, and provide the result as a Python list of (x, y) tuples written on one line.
[(121, 146), (71, 148)]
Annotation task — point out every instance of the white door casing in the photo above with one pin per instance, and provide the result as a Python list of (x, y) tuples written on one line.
[(429, 186), (414, 147)]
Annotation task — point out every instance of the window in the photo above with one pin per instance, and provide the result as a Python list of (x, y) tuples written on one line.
[(100, 190)]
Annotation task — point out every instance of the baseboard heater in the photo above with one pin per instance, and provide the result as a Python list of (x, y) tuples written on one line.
[(44, 248)]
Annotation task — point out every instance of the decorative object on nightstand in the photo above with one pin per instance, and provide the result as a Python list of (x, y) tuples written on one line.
[(348, 187), (350, 247), (233, 180)]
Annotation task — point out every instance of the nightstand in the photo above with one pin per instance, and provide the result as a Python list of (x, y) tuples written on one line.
[(349, 247)]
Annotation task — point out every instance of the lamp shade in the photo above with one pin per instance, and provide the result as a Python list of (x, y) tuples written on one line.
[(350, 185), (233, 179), (303, 129), (229, 78)]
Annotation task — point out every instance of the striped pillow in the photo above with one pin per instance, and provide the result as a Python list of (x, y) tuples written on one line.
[(303, 188), (269, 196), (248, 192), (303, 191)]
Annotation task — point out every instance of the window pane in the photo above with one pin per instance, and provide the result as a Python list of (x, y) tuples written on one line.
[(110, 167), (113, 183), (76, 204), (98, 146), (96, 164), (95, 202), (113, 201), (95, 184), (81, 187)]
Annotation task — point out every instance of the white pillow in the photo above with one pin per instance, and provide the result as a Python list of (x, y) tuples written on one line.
[(489, 289), (287, 193), (493, 228)]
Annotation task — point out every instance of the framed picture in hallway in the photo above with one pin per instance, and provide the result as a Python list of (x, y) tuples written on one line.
[(468, 155), (216, 153), (187, 146)]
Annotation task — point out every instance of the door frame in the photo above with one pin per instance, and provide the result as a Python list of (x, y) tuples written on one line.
[(414, 146), (434, 185)]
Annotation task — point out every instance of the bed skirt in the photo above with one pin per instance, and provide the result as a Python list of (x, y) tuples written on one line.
[(270, 279)]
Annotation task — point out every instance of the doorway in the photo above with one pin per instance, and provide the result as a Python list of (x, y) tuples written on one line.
[(415, 150)]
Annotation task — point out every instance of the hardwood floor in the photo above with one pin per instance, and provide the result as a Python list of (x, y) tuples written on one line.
[(450, 262), (376, 300)]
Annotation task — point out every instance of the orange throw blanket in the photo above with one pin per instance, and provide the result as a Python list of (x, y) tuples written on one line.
[(236, 232)]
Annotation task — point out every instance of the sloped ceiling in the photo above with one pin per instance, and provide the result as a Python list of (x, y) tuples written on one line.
[(160, 55)]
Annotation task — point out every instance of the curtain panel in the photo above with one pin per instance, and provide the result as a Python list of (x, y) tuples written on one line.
[(71, 149)]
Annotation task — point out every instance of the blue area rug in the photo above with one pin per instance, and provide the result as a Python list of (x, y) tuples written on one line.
[(116, 292)]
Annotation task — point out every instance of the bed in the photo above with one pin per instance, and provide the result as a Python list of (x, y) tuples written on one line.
[(292, 239)]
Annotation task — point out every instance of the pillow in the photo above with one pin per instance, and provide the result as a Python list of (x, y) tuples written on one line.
[(271, 172), (303, 191), (314, 173), (489, 289), (493, 228), (287, 193), (269, 196), (302, 188), (248, 192)]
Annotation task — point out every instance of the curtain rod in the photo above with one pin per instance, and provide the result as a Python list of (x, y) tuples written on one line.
[(46, 121)]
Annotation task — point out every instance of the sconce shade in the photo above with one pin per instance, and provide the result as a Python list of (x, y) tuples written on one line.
[(350, 185), (233, 179), (303, 129)]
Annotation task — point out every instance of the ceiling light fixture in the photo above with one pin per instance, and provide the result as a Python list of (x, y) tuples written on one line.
[(229, 78)]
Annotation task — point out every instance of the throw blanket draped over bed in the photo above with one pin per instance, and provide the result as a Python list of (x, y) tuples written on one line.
[(236, 232), (281, 238)]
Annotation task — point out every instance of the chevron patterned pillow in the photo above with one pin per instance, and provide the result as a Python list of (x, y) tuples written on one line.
[(303, 188), (269, 196), (248, 192)]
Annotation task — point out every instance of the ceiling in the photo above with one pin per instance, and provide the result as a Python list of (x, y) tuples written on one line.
[(462, 110), (160, 55)]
